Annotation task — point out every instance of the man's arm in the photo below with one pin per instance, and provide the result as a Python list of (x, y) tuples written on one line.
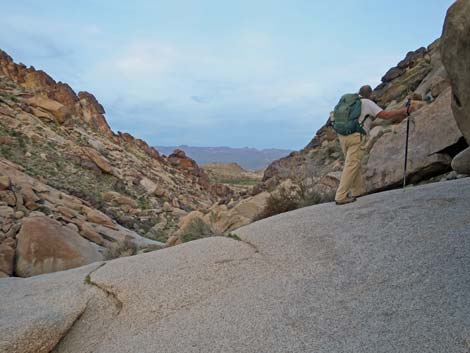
[(391, 114)]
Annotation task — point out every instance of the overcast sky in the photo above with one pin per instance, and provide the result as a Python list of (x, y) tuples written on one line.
[(254, 73)]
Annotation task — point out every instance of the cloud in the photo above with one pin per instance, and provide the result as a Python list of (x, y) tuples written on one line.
[(51, 45), (187, 89), (198, 99), (144, 58), (35, 40)]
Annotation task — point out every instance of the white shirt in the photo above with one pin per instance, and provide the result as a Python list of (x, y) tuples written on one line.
[(369, 110)]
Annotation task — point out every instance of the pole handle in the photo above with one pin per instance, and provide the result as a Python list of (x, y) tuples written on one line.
[(408, 107)]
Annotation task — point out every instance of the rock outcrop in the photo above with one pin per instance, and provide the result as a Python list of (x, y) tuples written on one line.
[(456, 58), (297, 282), (179, 160)]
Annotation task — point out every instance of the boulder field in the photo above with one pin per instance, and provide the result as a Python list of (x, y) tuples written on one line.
[(45, 230), (390, 273)]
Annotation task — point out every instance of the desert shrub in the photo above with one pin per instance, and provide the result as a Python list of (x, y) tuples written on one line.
[(309, 199), (196, 229), (288, 200), (279, 202), (233, 236)]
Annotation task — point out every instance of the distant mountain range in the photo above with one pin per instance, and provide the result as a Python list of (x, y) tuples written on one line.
[(248, 158)]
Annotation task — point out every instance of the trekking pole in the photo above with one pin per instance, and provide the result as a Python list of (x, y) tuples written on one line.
[(408, 106)]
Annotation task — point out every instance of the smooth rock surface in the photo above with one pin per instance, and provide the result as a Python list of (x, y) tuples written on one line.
[(389, 273), (37, 312)]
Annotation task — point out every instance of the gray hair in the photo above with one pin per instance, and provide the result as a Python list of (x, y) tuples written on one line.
[(365, 91)]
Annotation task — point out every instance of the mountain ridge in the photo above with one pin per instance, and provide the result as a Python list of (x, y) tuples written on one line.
[(249, 158)]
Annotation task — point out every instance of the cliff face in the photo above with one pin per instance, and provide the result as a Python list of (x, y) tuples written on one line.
[(54, 141), (434, 140)]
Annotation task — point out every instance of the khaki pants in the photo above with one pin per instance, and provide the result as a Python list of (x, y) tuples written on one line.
[(353, 147)]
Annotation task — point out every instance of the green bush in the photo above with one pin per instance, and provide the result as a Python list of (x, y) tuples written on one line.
[(309, 200), (196, 229), (233, 236), (285, 201)]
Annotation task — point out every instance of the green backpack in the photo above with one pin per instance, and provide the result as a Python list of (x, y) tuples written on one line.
[(346, 114)]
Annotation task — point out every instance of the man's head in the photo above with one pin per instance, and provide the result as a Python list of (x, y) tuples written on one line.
[(366, 91)]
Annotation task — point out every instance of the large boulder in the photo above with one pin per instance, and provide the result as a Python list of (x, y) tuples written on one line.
[(223, 219), (7, 256), (98, 217), (191, 227), (44, 245), (58, 110), (461, 162), (100, 161), (455, 49), (432, 131)]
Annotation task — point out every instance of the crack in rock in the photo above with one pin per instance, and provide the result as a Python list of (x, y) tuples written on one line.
[(253, 246), (66, 332), (225, 261), (102, 306), (109, 293)]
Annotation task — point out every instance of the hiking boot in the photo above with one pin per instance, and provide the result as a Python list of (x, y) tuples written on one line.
[(346, 201), (355, 196)]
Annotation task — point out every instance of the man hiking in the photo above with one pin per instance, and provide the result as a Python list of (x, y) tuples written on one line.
[(352, 118)]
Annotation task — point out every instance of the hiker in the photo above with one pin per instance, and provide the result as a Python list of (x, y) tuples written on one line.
[(352, 118)]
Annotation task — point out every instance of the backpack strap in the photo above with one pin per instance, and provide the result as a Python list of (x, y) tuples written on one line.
[(364, 120)]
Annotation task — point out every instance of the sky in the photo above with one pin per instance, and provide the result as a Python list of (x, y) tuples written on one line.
[(255, 73)]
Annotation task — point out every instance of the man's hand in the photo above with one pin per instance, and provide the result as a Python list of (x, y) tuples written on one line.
[(416, 105)]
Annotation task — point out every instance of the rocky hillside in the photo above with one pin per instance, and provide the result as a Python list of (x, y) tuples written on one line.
[(434, 140), (62, 168)]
